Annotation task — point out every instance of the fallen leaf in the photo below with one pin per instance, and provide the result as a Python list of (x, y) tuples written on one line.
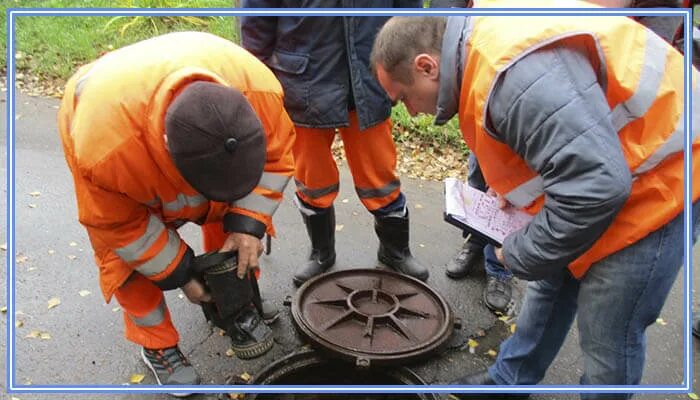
[(71, 257), (53, 302), (31, 205), (419, 206), (33, 334), (345, 200), (116, 309), (136, 378), (72, 244), (230, 353), (44, 336), (84, 293), (421, 245), (339, 227), (21, 259), (492, 353), (245, 376), (222, 332), (512, 328), (19, 324), (503, 318), (35, 193), (3, 247), (355, 213), (3, 309), (693, 396), (51, 251), (661, 321), (472, 343)]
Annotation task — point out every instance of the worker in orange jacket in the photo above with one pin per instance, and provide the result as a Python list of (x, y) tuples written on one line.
[(184, 127)]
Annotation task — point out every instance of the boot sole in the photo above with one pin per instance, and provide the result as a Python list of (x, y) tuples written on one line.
[(452, 275), (153, 370), (255, 350), (386, 262)]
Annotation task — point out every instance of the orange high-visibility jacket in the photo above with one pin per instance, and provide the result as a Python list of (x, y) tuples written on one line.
[(130, 195), (644, 88)]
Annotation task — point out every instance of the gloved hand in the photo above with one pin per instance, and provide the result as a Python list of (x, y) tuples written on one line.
[(195, 292)]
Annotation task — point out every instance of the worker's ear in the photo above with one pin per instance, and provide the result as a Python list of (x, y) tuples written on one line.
[(427, 65)]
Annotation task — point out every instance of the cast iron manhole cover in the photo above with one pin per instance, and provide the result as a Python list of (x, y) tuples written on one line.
[(372, 316)]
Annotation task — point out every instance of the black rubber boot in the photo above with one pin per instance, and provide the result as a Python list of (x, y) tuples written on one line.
[(321, 230), (394, 251)]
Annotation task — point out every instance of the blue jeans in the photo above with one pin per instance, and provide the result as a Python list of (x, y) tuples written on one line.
[(616, 300), (492, 266)]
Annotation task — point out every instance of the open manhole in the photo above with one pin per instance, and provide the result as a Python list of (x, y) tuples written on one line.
[(372, 316), (309, 368)]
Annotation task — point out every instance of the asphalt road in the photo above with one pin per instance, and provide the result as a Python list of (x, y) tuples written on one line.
[(86, 344)]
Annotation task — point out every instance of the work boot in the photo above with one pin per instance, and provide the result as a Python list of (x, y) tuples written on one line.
[(270, 312), (464, 262), (170, 367), (321, 230), (393, 250), (483, 379), (498, 293)]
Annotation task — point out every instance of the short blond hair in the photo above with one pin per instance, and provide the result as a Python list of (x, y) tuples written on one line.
[(401, 39)]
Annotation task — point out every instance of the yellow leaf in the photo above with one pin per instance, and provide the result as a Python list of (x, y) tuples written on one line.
[(3, 309), (71, 257), (84, 293), (421, 245), (693, 396), (44, 336), (72, 244), (512, 328), (245, 376), (3, 247), (472, 343), (339, 227), (35, 193), (116, 309), (31, 205), (503, 318), (419, 206), (230, 353), (661, 321), (33, 334), (19, 324), (492, 353), (53, 302), (136, 378), (51, 251), (21, 259)]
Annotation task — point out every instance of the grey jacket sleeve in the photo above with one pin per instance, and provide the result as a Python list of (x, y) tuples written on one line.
[(550, 109)]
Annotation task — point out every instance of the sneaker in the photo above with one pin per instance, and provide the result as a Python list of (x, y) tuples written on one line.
[(465, 261), (170, 367), (497, 294), (270, 312)]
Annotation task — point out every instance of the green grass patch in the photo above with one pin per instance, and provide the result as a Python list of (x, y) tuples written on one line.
[(423, 128)]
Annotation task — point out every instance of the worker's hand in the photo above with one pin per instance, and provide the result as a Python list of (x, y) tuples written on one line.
[(249, 249), (195, 292), (502, 202), (499, 256)]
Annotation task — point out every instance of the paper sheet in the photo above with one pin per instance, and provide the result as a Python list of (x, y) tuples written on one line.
[(480, 211)]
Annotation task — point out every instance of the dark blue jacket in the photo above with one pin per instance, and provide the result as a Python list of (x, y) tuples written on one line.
[(322, 62)]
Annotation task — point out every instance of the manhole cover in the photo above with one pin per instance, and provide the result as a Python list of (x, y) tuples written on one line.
[(372, 316)]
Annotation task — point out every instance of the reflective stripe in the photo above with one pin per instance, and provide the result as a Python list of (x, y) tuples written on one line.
[(316, 193), (381, 192), (653, 70), (274, 182), (182, 201), (526, 193), (165, 257), (258, 203), (674, 143), (138, 247), (153, 203), (153, 318), (80, 84)]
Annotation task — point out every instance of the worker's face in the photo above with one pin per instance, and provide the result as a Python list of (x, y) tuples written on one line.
[(420, 96)]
